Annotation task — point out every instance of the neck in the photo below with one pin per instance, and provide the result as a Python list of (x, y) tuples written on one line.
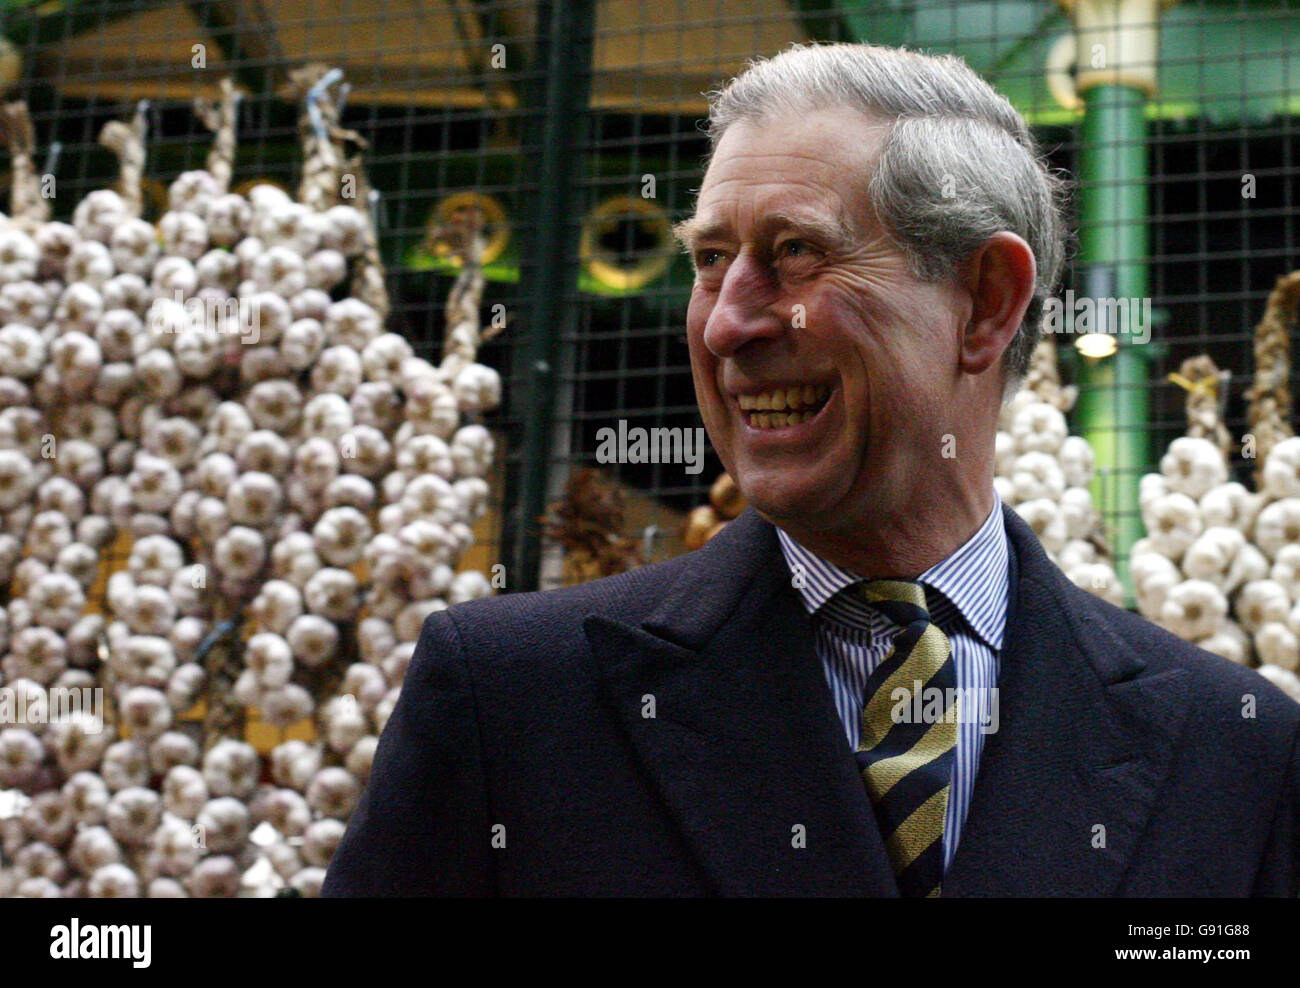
[(904, 543)]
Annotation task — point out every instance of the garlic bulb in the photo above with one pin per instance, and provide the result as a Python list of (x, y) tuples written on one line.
[(332, 593), (1284, 679), (1211, 555), (1193, 466), (22, 351), (1193, 609), (301, 343), (275, 405), (472, 450), (194, 191), (99, 214), (344, 230), (240, 552), (228, 218), (478, 388), (54, 241), (1261, 602), (19, 255), (341, 535), (338, 370), (1173, 523), (1248, 565), (183, 234), (1286, 570), (1276, 644), (352, 323), (1038, 427), (90, 263), (333, 792), (1282, 469), (25, 302), (1278, 524), (287, 224), (325, 268), (134, 250)]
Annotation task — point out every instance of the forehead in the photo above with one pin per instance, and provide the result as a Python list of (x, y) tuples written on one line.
[(812, 164)]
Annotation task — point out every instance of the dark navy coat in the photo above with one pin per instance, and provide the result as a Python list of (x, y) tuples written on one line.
[(520, 758)]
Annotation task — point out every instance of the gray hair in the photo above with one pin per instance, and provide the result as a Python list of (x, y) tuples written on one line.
[(959, 163)]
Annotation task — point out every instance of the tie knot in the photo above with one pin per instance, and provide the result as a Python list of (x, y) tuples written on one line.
[(903, 601)]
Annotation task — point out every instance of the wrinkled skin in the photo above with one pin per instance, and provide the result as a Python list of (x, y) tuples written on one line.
[(797, 281)]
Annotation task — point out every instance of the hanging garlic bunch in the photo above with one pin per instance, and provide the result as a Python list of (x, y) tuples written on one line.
[(1220, 564), (278, 464), (1044, 473)]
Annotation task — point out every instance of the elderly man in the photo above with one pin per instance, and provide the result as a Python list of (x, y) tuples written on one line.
[(873, 682)]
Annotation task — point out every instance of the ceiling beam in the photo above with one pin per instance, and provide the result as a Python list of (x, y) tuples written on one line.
[(245, 31)]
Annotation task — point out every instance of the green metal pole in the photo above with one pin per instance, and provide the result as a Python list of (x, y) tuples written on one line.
[(548, 269), (1113, 251)]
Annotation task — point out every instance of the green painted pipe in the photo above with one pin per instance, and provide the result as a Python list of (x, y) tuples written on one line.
[(562, 93), (1113, 252)]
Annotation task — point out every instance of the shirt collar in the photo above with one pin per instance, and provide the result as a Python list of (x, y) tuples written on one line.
[(973, 578)]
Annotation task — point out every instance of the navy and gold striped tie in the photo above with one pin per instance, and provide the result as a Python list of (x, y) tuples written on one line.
[(907, 763)]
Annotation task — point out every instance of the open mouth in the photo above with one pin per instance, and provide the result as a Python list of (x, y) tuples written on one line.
[(780, 408)]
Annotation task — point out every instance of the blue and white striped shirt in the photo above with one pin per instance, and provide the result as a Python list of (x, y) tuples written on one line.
[(966, 595)]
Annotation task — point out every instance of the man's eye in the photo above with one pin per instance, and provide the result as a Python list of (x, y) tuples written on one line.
[(707, 257), (794, 248)]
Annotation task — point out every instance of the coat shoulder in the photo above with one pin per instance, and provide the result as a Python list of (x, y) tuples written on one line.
[(625, 597), (1213, 677)]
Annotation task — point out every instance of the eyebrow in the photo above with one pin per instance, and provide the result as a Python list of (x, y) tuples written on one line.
[(833, 231)]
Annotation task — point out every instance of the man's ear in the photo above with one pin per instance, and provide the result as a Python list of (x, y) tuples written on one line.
[(1000, 277)]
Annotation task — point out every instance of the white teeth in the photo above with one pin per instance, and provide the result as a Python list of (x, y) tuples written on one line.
[(763, 402), (778, 402), (748, 403), (808, 394)]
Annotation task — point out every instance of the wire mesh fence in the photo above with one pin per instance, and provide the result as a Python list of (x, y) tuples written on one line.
[(574, 127)]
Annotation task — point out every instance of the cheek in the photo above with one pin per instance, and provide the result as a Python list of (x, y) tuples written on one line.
[(887, 361), (703, 363), (697, 315)]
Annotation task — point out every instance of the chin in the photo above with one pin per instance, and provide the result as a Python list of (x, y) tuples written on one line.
[(778, 499)]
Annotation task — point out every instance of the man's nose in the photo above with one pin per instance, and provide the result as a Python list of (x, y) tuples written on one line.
[(743, 309)]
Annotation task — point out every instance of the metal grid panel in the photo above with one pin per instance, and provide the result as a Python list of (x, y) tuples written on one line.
[(444, 109), (443, 118), (1225, 110)]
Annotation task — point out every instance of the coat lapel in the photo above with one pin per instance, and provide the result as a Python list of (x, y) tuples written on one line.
[(745, 746), (1067, 782)]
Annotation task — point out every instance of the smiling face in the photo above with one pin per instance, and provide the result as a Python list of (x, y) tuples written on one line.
[(799, 287)]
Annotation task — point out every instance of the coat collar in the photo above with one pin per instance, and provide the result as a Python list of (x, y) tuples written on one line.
[(747, 751)]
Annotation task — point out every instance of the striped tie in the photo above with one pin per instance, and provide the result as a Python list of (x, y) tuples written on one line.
[(907, 764)]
